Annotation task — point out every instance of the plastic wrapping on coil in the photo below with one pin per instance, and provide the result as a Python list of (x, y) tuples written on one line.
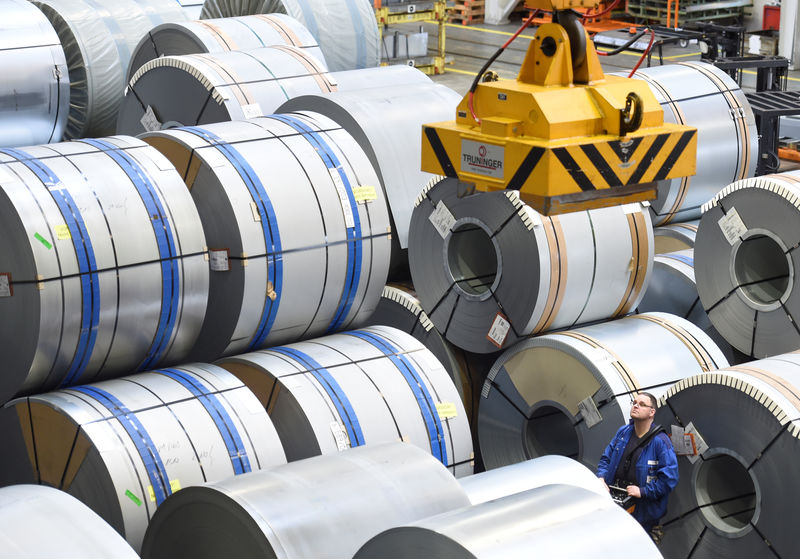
[(286, 263), (675, 237), (386, 122), (362, 387), (736, 497), (98, 39), (346, 29), (220, 35), (701, 95), (91, 299), (489, 270), (550, 521), (73, 530), (747, 260), (568, 392), (123, 446), (34, 94), (354, 495)]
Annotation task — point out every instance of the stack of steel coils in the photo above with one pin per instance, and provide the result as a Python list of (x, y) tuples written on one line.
[(34, 95), (674, 237)]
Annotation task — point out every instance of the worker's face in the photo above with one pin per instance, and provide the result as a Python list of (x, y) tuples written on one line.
[(641, 408)]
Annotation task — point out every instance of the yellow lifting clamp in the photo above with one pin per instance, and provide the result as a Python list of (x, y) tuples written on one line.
[(563, 134)]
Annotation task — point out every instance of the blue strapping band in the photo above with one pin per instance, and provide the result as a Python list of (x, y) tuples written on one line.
[(269, 226), (679, 257), (140, 438), (354, 244), (87, 264), (309, 20), (217, 412), (360, 35), (426, 404), (167, 252), (332, 388)]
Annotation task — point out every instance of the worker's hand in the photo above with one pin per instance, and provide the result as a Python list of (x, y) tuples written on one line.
[(634, 491), (606, 485)]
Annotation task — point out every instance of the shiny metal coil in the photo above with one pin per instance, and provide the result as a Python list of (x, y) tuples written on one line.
[(673, 237), (489, 270), (123, 446), (103, 263), (286, 263), (346, 29), (568, 392), (363, 387), (34, 92), (326, 506)]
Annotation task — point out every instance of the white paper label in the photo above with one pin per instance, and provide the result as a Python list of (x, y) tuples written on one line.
[(482, 159), (499, 330), (442, 219), (252, 111), (5, 286), (343, 199), (218, 260), (699, 443), (149, 120), (591, 415), (341, 437), (732, 226), (682, 441)]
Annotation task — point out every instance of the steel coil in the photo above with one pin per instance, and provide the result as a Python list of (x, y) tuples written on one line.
[(91, 299), (34, 94), (673, 290), (287, 263), (353, 496), (220, 35), (530, 474), (701, 95), (98, 39), (567, 393), (386, 122), (550, 521), (746, 263), (737, 498), (347, 30), (192, 8), (490, 270), (38, 522), (367, 386), (123, 446), (675, 236)]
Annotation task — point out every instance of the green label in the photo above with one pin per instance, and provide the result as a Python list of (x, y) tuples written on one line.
[(42, 240), (133, 498)]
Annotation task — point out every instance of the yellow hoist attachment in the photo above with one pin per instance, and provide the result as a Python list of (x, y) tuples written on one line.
[(563, 134)]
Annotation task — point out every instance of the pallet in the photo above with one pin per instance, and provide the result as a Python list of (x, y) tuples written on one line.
[(468, 12)]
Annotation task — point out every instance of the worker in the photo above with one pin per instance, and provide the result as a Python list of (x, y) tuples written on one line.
[(641, 460)]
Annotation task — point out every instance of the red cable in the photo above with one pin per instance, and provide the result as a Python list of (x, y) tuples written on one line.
[(645, 53)]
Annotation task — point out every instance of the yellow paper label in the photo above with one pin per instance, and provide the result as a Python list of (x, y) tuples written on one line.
[(174, 485), (62, 232), (364, 194), (446, 409)]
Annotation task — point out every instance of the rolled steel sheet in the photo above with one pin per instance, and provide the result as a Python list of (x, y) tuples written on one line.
[(38, 522), (98, 39), (737, 499), (400, 308), (347, 30), (123, 446), (34, 92), (490, 270), (746, 263), (675, 236), (367, 386), (530, 474), (567, 393), (220, 35), (192, 8), (550, 521), (701, 95), (354, 495), (673, 290), (386, 122), (91, 299), (287, 263)]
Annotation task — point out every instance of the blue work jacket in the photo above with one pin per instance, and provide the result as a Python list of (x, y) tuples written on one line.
[(656, 472)]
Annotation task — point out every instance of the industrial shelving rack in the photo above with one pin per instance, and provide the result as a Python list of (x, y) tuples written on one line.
[(434, 11)]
